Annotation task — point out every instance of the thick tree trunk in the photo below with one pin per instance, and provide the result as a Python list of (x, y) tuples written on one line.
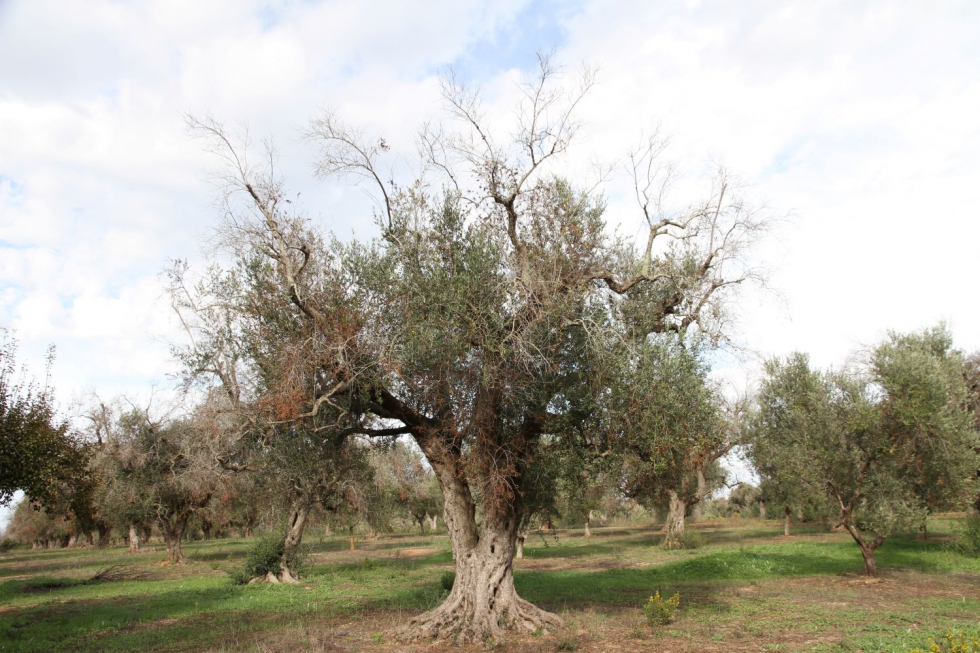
[(173, 533), (786, 522), (520, 546), (870, 566), (421, 520), (350, 536), (134, 539), (294, 537), (588, 518), (206, 528), (104, 532), (433, 522), (147, 532), (762, 510), (674, 525), (483, 603)]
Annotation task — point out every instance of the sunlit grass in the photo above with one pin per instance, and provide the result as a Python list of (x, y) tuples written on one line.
[(744, 583)]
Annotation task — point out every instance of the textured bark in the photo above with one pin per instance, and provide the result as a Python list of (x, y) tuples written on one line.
[(867, 548), (483, 603), (786, 522), (674, 525), (173, 533), (433, 522), (520, 546), (294, 537), (135, 544)]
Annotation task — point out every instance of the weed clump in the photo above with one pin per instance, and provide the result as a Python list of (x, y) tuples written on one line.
[(658, 611), (952, 643), (691, 540)]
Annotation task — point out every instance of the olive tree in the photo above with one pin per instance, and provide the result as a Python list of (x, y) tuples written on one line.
[(164, 467), (884, 442), (39, 451), (459, 325), (673, 432)]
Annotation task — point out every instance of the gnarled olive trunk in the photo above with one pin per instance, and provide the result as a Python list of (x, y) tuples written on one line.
[(674, 524), (173, 533), (135, 544), (588, 519), (762, 510), (483, 602), (294, 537), (786, 522), (520, 546), (433, 521)]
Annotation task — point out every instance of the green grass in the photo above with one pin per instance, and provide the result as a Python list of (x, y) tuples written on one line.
[(753, 588)]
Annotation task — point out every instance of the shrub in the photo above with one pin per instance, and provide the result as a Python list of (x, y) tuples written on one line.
[(448, 580), (264, 556), (6, 545), (658, 611), (691, 540), (968, 542)]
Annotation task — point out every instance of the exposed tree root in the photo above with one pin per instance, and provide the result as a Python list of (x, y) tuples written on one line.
[(456, 620)]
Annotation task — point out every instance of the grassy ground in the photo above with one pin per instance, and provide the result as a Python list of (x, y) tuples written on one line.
[(748, 589)]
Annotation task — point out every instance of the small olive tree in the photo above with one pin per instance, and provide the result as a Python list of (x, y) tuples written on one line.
[(885, 442)]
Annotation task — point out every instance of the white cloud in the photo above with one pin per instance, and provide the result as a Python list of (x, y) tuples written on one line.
[(859, 118)]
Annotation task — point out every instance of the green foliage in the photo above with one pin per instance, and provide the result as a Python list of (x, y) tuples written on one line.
[(885, 444), (968, 539), (447, 580), (39, 453), (265, 556), (673, 429), (6, 544), (690, 539), (658, 611)]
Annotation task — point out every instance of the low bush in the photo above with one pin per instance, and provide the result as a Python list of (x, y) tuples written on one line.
[(264, 557), (658, 611), (691, 540)]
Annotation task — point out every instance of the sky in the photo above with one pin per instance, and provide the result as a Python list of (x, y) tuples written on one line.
[(853, 121)]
